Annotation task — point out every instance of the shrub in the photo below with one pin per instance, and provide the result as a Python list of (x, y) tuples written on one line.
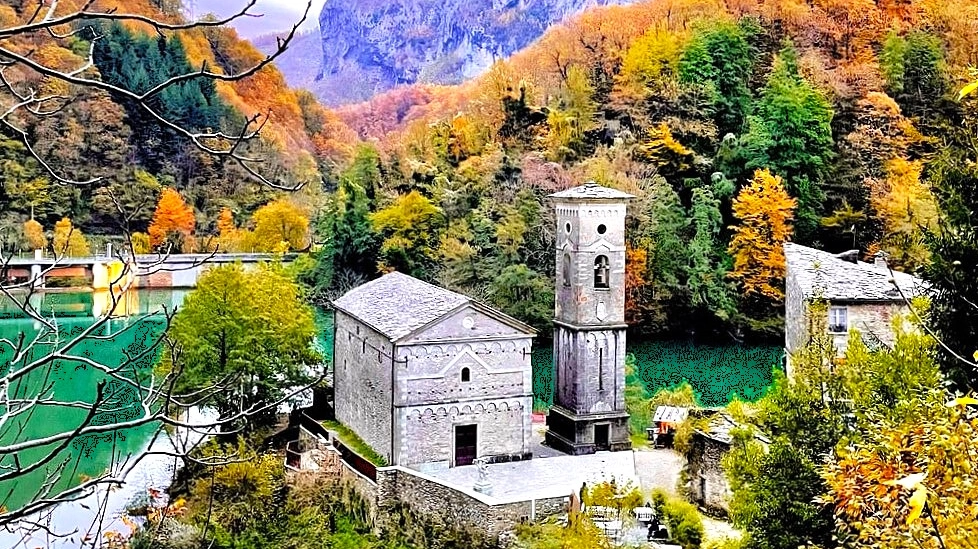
[(681, 518)]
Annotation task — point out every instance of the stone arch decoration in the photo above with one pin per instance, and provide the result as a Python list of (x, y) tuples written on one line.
[(453, 410), (441, 412), (466, 409), (480, 409), (491, 408)]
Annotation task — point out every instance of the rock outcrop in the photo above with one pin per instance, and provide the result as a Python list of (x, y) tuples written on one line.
[(370, 46)]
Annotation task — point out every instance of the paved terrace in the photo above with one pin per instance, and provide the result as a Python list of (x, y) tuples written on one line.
[(545, 477)]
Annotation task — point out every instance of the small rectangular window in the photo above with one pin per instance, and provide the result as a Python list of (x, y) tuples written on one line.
[(838, 320)]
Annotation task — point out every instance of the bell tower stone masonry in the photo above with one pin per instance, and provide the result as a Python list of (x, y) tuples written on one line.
[(589, 414)]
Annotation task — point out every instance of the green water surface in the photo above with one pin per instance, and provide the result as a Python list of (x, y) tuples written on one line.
[(56, 467)]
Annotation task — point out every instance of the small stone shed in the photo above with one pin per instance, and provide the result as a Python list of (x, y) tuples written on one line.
[(708, 486)]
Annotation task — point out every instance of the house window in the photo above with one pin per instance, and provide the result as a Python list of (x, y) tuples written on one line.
[(466, 375), (601, 272), (838, 320), (566, 270)]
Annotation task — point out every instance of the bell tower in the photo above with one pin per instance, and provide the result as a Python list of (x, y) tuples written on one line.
[(589, 414)]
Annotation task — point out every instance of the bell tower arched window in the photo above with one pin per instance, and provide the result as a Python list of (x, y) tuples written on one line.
[(565, 270), (601, 272), (466, 375)]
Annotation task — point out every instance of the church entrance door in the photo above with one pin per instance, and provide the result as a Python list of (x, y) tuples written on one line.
[(465, 444), (601, 438)]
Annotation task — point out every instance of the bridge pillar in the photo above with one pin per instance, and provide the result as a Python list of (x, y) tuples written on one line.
[(37, 277), (100, 276)]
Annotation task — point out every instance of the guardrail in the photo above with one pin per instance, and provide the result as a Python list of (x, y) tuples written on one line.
[(355, 460)]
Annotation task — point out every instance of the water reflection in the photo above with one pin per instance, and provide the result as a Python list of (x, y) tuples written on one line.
[(62, 361)]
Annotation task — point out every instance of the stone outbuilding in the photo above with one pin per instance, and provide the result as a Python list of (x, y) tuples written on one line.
[(430, 378), (861, 296), (708, 486)]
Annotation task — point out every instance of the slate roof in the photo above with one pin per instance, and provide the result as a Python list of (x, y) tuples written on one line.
[(592, 191), (670, 414), (825, 275), (397, 304), (720, 428)]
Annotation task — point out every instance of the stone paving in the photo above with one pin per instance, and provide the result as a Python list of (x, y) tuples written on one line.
[(658, 468), (552, 473), (545, 477)]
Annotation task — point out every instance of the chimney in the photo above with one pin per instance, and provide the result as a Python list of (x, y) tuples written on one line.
[(880, 261), (852, 256)]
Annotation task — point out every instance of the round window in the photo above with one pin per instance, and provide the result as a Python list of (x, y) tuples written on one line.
[(602, 229), (567, 228)]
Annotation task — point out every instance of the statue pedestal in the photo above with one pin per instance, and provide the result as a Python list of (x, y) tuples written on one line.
[(483, 488)]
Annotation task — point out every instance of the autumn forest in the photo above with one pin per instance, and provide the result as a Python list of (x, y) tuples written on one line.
[(738, 125)]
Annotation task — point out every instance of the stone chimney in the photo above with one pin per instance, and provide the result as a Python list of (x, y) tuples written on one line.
[(880, 261)]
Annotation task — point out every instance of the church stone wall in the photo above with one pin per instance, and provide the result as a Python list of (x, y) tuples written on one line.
[(426, 433), (432, 399), (362, 366), (432, 373)]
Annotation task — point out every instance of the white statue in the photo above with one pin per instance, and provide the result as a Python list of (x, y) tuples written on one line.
[(483, 485), (483, 465)]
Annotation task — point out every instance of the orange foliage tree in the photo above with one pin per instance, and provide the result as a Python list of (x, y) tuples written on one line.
[(173, 221), (636, 270), (765, 211)]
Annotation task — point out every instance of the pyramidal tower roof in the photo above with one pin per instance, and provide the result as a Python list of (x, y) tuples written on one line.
[(592, 191)]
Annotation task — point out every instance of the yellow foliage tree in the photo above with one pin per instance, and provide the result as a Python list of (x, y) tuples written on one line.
[(907, 209), (669, 156), (69, 241), (280, 226), (410, 229), (34, 233), (141, 243), (229, 237), (765, 211), (173, 221), (911, 484), (649, 65)]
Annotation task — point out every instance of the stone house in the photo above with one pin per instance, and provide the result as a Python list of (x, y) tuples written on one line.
[(861, 296), (708, 486), (430, 378)]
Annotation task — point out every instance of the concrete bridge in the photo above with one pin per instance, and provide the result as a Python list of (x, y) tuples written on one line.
[(100, 272)]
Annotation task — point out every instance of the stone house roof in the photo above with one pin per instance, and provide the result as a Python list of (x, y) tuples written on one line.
[(720, 428), (592, 191), (397, 305), (834, 278)]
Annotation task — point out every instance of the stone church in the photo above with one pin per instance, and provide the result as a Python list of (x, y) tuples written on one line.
[(428, 377)]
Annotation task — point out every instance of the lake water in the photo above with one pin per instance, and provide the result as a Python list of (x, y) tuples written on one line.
[(70, 379)]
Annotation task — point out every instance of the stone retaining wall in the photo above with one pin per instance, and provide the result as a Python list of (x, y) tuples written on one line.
[(432, 498)]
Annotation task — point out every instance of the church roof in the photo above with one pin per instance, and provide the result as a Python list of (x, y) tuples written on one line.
[(592, 191), (397, 305), (833, 278)]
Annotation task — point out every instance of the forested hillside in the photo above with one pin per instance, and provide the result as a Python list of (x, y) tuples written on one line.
[(100, 134), (737, 124)]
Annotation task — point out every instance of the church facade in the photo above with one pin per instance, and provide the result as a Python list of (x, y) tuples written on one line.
[(430, 378), (589, 414)]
